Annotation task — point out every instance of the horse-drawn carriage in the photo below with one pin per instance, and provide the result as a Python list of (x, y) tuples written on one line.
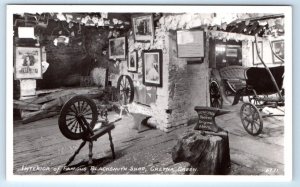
[(262, 85)]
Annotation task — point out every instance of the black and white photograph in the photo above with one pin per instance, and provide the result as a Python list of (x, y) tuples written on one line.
[(152, 67), (117, 48), (133, 62), (142, 26), (202, 102), (278, 47)]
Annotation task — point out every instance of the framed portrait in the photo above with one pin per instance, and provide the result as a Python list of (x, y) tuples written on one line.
[(152, 67), (278, 49), (256, 60), (132, 62), (28, 63), (117, 48), (190, 43), (143, 28)]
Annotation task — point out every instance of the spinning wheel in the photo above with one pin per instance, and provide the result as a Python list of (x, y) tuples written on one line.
[(251, 119), (77, 119), (215, 95), (125, 90), (75, 115)]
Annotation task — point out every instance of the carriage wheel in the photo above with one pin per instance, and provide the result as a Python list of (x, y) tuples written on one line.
[(75, 107), (215, 95), (125, 90), (251, 119)]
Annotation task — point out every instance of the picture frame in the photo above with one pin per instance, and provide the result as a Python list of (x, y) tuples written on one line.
[(143, 27), (132, 62), (117, 48), (278, 48), (152, 67), (256, 60), (231, 52), (190, 43), (28, 63)]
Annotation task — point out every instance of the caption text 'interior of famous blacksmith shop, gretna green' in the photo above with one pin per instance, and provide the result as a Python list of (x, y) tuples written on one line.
[(148, 93)]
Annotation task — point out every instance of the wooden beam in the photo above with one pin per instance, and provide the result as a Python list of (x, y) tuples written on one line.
[(39, 115), (257, 30), (254, 26), (26, 106), (242, 27)]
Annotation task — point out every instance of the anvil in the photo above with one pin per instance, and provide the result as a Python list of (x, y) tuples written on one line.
[(206, 118)]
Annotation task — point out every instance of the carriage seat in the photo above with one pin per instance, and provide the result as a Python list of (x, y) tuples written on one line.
[(233, 78)]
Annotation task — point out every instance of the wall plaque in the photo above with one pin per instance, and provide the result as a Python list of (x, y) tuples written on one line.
[(190, 43)]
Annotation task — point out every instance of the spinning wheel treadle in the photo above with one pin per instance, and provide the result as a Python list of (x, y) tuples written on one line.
[(71, 115)]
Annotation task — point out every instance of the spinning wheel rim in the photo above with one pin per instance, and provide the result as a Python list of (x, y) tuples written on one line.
[(251, 120), (215, 95), (125, 90), (70, 114)]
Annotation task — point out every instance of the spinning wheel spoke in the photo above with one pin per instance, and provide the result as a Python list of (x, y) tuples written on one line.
[(71, 110), (76, 122), (71, 122), (85, 106), (125, 89), (76, 111), (68, 119), (78, 105), (76, 127)]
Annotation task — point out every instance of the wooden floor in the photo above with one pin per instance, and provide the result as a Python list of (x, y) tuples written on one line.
[(40, 148)]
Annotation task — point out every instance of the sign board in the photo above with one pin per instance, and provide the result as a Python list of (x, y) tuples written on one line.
[(190, 43), (28, 63), (206, 118)]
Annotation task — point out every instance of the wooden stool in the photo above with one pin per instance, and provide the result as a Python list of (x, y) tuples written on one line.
[(96, 134)]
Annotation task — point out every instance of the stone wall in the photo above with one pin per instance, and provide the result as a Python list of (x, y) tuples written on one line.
[(176, 99)]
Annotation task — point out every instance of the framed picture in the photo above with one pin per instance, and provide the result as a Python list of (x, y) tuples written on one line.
[(28, 63), (152, 67), (190, 43), (143, 28), (231, 52), (132, 63), (117, 48), (278, 48), (256, 60)]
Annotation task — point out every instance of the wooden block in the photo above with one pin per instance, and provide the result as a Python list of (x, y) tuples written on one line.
[(39, 115), (26, 106)]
